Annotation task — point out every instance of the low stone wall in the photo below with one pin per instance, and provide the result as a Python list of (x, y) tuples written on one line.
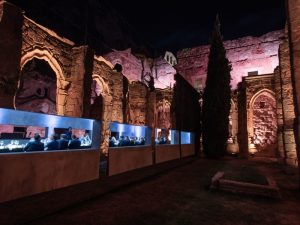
[(187, 150), (29, 173), (165, 153), (123, 159)]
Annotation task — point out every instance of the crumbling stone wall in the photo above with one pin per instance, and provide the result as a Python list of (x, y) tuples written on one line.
[(39, 42), (246, 54), (138, 96), (11, 20), (140, 68), (163, 115), (293, 12), (288, 153), (280, 127), (261, 115), (110, 88)]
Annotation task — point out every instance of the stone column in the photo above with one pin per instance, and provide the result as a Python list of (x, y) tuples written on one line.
[(11, 22), (287, 105), (105, 131), (242, 121), (150, 120), (278, 93), (79, 92), (293, 13)]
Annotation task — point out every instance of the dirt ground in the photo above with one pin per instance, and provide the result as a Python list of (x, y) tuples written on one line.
[(182, 197)]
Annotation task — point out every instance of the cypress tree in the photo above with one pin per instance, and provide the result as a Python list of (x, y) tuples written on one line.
[(216, 98)]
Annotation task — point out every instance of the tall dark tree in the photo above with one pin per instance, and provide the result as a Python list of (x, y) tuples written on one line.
[(216, 98)]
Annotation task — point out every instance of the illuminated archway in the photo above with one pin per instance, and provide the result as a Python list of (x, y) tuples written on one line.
[(37, 88), (60, 78), (262, 123)]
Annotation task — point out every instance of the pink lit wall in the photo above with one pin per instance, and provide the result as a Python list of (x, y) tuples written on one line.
[(246, 54), (135, 68)]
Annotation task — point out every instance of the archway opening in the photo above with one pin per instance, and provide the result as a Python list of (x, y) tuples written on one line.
[(264, 120), (37, 89), (96, 109)]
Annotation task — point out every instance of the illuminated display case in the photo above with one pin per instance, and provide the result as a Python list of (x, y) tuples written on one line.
[(17, 129), (129, 135), (187, 137), (166, 136)]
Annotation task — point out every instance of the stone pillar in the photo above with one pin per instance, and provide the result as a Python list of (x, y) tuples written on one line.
[(150, 120), (79, 92), (105, 131), (293, 13), (118, 96), (287, 104), (242, 121), (278, 94), (11, 22)]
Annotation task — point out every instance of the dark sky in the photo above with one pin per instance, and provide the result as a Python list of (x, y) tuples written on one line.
[(176, 24), (163, 24)]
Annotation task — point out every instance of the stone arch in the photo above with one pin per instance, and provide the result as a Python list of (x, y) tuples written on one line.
[(104, 96), (99, 80), (62, 84), (45, 55), (37, 88), (99, 91), (262, 123)]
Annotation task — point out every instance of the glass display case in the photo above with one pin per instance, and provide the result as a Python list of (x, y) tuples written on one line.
[(18, 129), (166, 136), (129, 135), (187, 137)]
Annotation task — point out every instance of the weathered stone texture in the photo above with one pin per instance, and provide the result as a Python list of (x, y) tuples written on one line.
[(246, 54), (10, 51), (258, 105), (80, 82), (37, 37), (136, 68), (138, 95), (42, 43), (164, 98), (293, 12), (131, 65), (287, 102)]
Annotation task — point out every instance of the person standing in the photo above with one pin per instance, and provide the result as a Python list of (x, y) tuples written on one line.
[(69, 133)]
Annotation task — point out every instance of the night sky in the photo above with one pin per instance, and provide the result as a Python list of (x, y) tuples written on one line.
[(161, 24), (176, 24)]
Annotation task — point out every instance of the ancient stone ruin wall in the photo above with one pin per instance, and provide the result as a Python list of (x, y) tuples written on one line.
[(286, 100), (131, 65), (137, 104), (261, 115), (163, 73), (163, 115), (41, 43), (135, 69), (10, 53), (293, 12), (247, 54)]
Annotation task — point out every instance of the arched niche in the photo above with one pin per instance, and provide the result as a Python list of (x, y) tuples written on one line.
[(61, 84), (99, 91), (262, 123), (37, 88)]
